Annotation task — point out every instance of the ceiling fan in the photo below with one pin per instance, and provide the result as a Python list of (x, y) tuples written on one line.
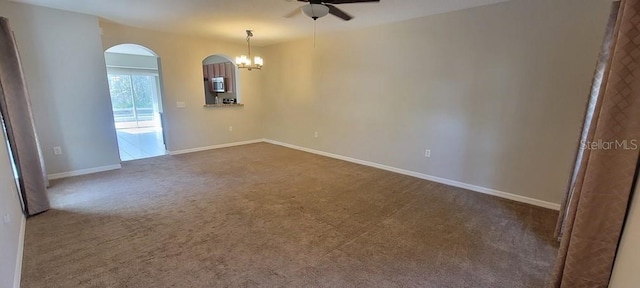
[(318, 8)]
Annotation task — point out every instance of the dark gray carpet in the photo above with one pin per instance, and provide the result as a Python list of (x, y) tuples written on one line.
[(266, 216)]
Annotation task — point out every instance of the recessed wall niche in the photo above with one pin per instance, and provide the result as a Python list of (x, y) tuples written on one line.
[(220, 80)]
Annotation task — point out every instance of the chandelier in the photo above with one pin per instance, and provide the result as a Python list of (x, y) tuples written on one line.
[(245, 61)]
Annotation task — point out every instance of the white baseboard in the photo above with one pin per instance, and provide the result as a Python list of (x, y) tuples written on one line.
[(226, 145), (445, 181), (475, 188), (84, 171), (17, 277)]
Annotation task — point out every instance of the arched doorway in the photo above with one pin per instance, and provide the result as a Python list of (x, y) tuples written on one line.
[(134, 84), (220, 67)]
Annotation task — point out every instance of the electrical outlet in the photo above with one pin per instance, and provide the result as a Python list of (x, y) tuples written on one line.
[(427, 153), (230, 128), (316, 135), (181, 104), (57, 150)]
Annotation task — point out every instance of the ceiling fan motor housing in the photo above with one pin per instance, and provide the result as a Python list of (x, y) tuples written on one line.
[(320, 8), (315, 11)]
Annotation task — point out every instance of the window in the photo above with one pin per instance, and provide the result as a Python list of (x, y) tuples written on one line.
[(134, 97)]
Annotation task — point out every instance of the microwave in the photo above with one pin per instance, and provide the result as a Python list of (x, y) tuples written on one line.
[(217, 84)]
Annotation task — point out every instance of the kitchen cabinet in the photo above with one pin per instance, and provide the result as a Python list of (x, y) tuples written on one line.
[(230, 82), (210, 72), (222, 71), (216, 70)]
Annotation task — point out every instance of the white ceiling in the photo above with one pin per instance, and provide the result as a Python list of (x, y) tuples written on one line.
[(227, 19)]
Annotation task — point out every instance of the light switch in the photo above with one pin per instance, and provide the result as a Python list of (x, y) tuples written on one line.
[(180, 104)]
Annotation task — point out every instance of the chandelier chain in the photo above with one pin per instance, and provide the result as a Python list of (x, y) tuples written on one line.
[(249, 34)]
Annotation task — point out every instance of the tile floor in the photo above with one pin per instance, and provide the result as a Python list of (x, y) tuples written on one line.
[(137, 143)]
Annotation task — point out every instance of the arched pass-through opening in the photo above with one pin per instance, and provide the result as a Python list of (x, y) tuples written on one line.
[(134, 78), (220, 80)]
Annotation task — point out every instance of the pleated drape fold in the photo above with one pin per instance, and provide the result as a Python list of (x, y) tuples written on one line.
[(17, 116), (593, 213)]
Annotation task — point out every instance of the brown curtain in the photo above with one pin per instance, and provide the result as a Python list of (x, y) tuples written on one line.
[(593, 213), (16, 112)]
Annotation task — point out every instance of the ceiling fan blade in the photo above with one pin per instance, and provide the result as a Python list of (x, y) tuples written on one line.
[(338, 13), (293, 13), (348, 1)]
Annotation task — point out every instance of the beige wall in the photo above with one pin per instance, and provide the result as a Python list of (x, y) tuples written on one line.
[(181, 68), (61, 55), (496, 92), (60, 52), (625, 272)]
